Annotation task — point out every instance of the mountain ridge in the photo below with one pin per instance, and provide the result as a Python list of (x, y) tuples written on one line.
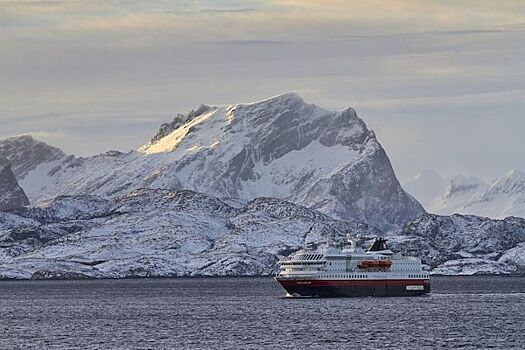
[(229, 190), (156, 232), (500, 198), (164, 233), (280, 147)]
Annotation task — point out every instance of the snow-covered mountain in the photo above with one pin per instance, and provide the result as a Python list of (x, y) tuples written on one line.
[(179, 233), (465, 244), (229, 190), (281, 147), (160, 233), (11, 194), (459, 191), (470, 195)]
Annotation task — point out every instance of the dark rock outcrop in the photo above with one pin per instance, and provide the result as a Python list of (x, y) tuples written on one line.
[(12, 196), (26, 154)]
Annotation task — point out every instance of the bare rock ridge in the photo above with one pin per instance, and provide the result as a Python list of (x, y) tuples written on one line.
[(281, 147), (181, 119), (26, 154), (12, 196)]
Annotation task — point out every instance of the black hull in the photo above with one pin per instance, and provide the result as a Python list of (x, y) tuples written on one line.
[(353, 288)]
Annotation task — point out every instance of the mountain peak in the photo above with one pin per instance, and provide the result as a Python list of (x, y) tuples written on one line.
[(512, 183), (461, 183), (179, 120), (460, 187), (426, 186), (517, 174), (287, 97), (216, 120), (25, 140), (25, 153), (21, 138)]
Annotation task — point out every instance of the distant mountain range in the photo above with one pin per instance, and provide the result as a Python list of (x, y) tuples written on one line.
[(229, 190), (499, 199)]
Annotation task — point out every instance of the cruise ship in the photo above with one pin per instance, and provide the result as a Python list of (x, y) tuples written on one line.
[(345, 272)]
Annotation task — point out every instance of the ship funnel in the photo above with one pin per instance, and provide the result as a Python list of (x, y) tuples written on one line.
[(378, 245)]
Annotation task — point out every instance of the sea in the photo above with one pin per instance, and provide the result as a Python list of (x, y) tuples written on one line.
[(475, 312)]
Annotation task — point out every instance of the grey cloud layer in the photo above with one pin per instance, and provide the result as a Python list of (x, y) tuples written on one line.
[(442, 83)]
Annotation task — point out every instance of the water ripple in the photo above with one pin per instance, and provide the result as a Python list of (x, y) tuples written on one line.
[(251, 313)]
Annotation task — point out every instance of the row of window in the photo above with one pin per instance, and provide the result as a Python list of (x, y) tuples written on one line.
[(366, 276), (346, 276), (309, 257), (301, 263)]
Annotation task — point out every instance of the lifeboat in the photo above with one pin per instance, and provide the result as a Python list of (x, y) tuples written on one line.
[(366, 264)]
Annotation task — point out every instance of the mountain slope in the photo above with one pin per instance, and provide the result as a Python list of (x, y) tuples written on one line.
[(281, 147), (159, 233), (465, 244), (180, 233)]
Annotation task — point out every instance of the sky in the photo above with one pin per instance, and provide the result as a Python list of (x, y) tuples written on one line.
[(442, 83)]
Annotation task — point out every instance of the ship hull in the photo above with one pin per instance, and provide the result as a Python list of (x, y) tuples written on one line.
[(355, 288)]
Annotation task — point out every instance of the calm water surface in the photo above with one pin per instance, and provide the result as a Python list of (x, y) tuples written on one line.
[(251, 313)]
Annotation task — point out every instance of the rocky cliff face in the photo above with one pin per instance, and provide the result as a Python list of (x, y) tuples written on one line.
[(366, 190), (11, 194), (281, 147), (26, 154)]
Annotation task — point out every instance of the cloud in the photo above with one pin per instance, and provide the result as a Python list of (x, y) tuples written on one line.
[(83, 69), (160, 22), (249, 43), (485, 100)]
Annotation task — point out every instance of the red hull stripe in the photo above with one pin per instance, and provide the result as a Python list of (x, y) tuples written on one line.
[(334, 283)]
